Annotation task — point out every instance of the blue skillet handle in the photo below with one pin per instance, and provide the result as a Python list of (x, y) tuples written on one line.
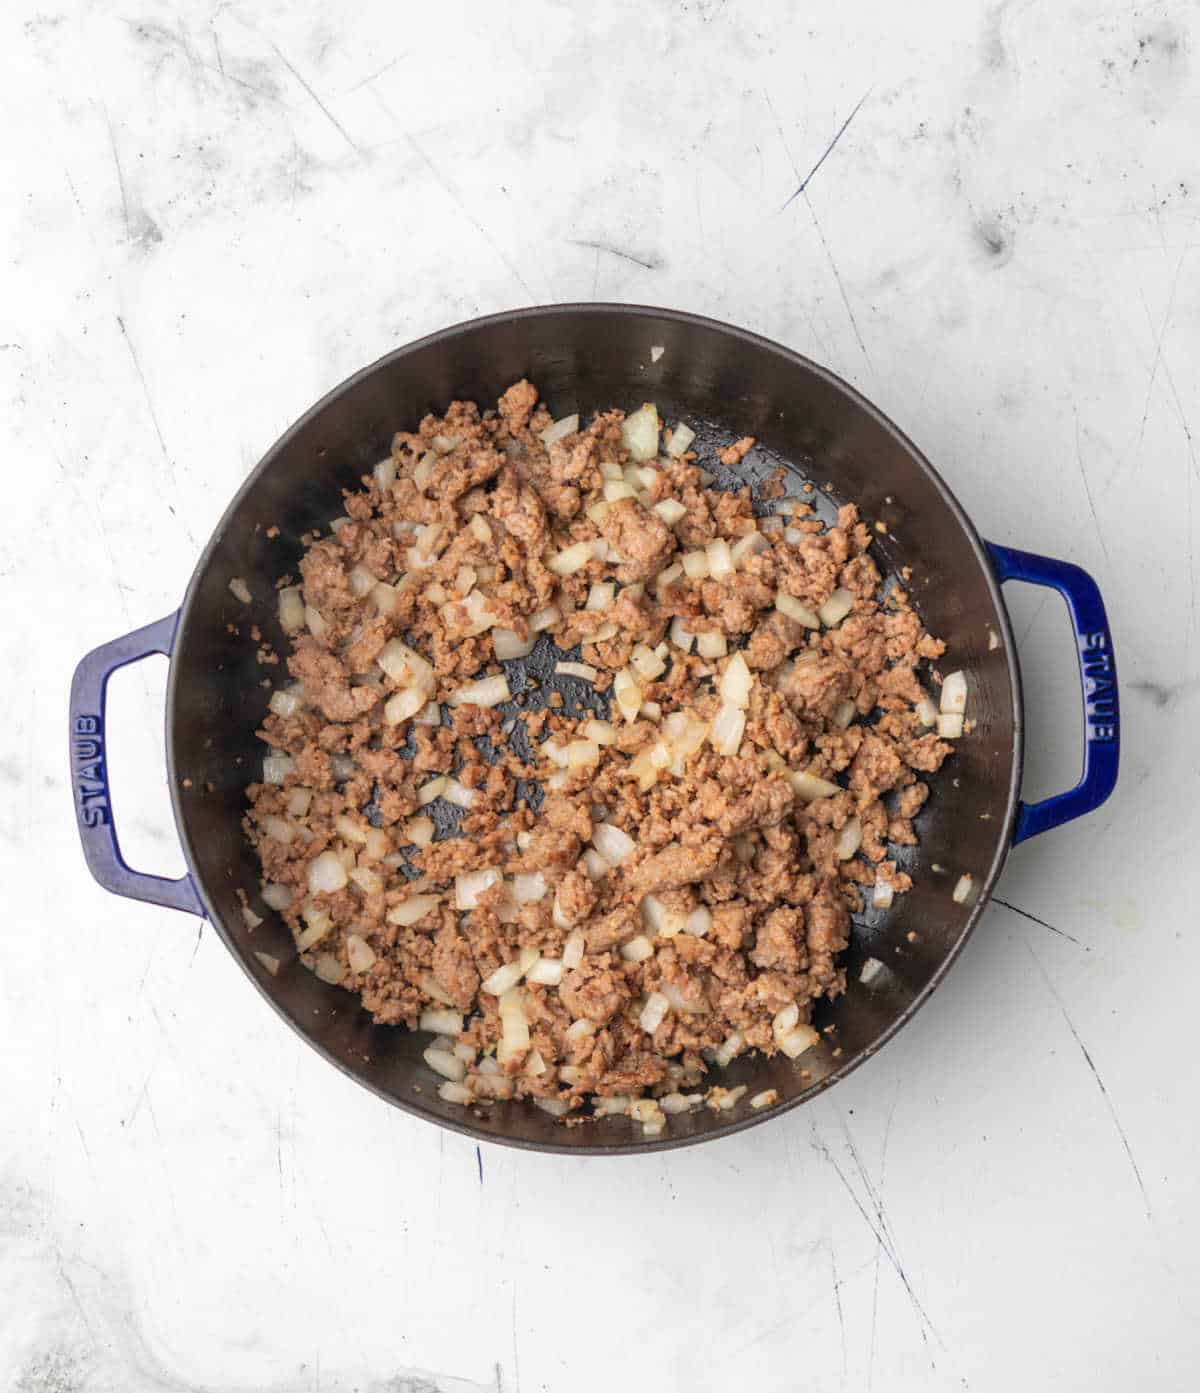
[(89, 772), (1098, 674)]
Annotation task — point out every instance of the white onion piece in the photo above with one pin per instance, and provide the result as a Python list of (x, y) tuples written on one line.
[(849, 839), (360, 953), (725, 734), (792, 608), (585, 671), (503, 979), (291, 610), (882, 894), (431, 790), (328, 969), (627, 695), (458, 794), (277, 897), (600, 732), (616, 489), (736, 682), (563, 427), (926, 712), (680, 637), (420, 830), (795, 1042), (508, 644), (637, 950), (749, 545), (240, 590), (315, 620), (711, 645), (573, 951), (368, 881), (785, 1020), (954, 693), (681, 439), (639, 432), (469, 886), (276, 768), (412, 909), (278, 830), (546, 972), (654, 1012), (529, 887), (571, 559), (446, 1063), (452, 1092), (698, 922), (405, 667), (844, 714), (836, 608), (326, 874), (488, 691), (403, 706), (285, 703), (808, 787), (429, 715), (250, 919), (670, 510), (695, 565), (362, 582), (432, 987), (269, 962), (729, 1049), (594, 864), (316, 926), (720, 558), (949, 726), (871, 969), (440, 1022), (601, 595), (514, 1026), (616, 1105), (963, 889), (581, 753), (612, 843), (384, 474), (659, 919)]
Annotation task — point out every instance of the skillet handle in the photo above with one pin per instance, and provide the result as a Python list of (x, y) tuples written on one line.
[(89, 773), (1098, 676)]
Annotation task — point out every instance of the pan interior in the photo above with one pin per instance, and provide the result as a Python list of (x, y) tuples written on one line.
[(724, 384)]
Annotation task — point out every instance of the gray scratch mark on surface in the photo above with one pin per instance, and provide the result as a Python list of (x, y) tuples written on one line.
[(787, 149), (65, 1277), (195, 947), (883, 1238), (516, 1354), (837, 275), (1033, 919), (112, 140), (1158, 343), (387, 67), (837, 1302), (453, 193), (141, 376), (1104, 1093), (479, 1163), (329, 116), (1087, 489), (804, 183), (650, 261)]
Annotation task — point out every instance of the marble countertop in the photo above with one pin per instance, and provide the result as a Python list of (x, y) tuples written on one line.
[(214, 211)]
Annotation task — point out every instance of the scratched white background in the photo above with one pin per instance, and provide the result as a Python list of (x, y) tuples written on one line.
[(215, 211)]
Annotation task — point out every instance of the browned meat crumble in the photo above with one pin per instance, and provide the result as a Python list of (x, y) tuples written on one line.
[(635, 894)]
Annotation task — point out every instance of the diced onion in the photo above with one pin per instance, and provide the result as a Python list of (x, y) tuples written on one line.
[(452, 1092), (414, 908), (844, 714), (440, 1022), (653, 1012), (616, 489), (627, 695), (317, 625), (420, 830), (720, 558), (871, 969), (291, 610), (429, 715), (509, 644), (403, 706), (546, 972), (681, 438), (488, 691), (612, 843), (529, 887), (666, 578), (809, 787), (328, 969), (695, 565), (670, 510), (698, 922), (729, 1049), (680, 1102), (616, 1105), (785, 1020), (360, 953), (581, 753), (279, 830), (316, 925), (882, 894), (571, 559), (595, 864), (601, 595), (725, 734), (469, 886), (680, 637), (269, 962), (791, 607), (567, 425), (736, 682), (638, 949), (659, 919), (277, 897), (514, 1025), (285, 703), (431, 790), (749, 545), (949, 726), (646, 662), (849, 839), (795, 1042), (276, 768), (954, 693), (711, 645), (963, 889), (405, 667), (836, 608), (601, 732), (585, 671), (503, 979), (927, 712), (362, 582), (639, 432), (241, 591), (573, 951), (326, 874), (445, 1063), (249, 918), (725, 1099)]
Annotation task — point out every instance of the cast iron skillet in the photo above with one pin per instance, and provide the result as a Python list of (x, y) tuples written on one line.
[(582, 357)]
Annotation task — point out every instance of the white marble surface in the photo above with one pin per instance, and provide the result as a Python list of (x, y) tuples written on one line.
[(215, 211)]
